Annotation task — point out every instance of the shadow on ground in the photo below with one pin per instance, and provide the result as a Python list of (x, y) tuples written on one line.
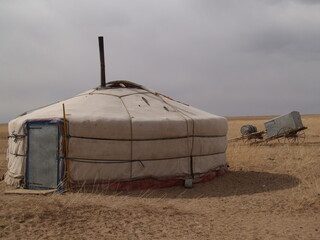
[(234, 183)]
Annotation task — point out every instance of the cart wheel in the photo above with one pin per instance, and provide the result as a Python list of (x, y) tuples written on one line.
[(296, 137), (244, 139), (282, 140), (301, 136), (284, 135), (292, 138), (251, 140)]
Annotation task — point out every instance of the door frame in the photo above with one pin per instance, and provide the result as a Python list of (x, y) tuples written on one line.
[(60, 164)]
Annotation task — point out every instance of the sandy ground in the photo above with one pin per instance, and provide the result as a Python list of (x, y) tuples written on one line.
[(271, 192)]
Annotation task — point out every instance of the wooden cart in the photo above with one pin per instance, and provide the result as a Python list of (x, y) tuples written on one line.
[(286, 128), (285, 135)]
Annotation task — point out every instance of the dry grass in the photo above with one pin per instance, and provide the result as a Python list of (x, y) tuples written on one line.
[(271, 192)]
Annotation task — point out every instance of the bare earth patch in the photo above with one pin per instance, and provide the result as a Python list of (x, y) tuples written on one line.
[(271, 192)]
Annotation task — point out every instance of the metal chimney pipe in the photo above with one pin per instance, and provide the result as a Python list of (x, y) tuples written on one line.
[(102, 65)]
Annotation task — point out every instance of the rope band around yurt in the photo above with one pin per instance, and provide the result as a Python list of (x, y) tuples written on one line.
[(110, 161)]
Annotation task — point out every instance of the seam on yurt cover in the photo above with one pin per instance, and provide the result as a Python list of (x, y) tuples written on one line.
[(109, 161), (131, 144), (186, 117), (191, 151), (131, 134), (146, 139)]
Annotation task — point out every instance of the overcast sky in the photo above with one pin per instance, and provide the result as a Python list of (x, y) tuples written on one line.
[(229, 58)]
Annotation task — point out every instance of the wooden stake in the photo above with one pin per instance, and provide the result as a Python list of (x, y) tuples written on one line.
[(66, 146)]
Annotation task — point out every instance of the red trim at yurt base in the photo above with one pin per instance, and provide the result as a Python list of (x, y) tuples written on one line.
[(148, 183)]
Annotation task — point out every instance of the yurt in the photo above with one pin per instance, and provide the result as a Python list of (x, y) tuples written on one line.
[(120, 135)]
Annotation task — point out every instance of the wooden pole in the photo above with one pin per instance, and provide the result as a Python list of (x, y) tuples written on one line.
[(66, 146)]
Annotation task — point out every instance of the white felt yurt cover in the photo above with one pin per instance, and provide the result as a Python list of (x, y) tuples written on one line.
[(125, 132)]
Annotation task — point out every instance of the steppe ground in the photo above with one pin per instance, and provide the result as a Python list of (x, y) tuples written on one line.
[(271, 192)]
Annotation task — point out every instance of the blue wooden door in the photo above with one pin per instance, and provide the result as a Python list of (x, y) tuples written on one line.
[(43, 156)]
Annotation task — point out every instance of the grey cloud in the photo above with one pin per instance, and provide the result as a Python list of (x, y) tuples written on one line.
[(300, 44), (226, 57), (300, 2), (305, 1)]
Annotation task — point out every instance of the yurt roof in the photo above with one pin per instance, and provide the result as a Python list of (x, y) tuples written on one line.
[(117, 104)]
